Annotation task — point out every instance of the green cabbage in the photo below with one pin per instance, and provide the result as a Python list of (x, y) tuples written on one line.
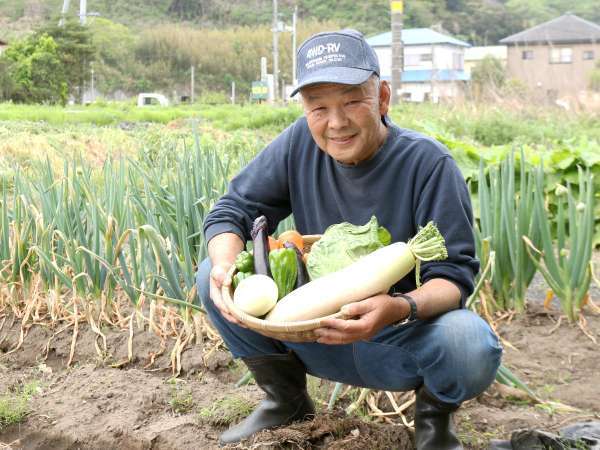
[(344, 243)]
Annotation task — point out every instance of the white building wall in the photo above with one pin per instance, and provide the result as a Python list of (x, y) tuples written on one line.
[(384, 55), (433, 92), (423, 57), (418, 57), (449, 57)]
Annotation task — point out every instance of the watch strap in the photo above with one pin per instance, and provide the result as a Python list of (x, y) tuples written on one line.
[(412, 315)]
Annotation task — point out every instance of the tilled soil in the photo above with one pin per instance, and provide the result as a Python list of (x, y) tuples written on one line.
[(101, 403)]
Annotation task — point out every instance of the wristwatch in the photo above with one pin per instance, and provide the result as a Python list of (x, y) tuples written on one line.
[(412, 315)]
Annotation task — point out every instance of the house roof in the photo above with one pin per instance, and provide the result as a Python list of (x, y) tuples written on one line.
[(426, 75), (566, 29), (416, 36)]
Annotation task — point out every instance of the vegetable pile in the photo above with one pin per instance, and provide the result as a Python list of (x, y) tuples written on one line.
[(349, 263), (273, 269)]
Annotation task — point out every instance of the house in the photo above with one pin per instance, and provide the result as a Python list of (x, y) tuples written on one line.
[(555, 58), (433, 63), (474, 55)]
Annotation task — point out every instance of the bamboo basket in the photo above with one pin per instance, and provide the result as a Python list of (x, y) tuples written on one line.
[(302, 331)]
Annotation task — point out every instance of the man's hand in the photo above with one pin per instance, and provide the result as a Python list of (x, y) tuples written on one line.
[(217, 277), (372, 314), (222, 249)]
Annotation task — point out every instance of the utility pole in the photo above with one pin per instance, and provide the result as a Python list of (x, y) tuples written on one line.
[(93, 93), (82, 11), (397, 10), (294, 19), (63, 13), (275, 51), (192, 85)]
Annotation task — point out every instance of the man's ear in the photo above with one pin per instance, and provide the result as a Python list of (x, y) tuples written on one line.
[(385, 94)]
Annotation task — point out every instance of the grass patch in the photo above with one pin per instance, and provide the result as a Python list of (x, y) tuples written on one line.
[(14, 406), (180, 400), (473, 436), (226, 410)]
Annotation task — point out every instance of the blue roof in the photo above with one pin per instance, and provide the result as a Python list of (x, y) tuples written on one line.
[(416, 36), (425, 76)]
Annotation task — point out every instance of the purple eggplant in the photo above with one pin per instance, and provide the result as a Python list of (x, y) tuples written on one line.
[(260, 243), (302, 277)]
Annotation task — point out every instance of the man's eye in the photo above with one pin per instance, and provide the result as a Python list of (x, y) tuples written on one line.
[(353, 102)]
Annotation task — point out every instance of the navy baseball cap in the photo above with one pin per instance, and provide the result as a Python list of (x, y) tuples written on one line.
[(342, 57)]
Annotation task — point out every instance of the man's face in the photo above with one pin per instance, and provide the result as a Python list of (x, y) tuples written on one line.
[(345, 121)]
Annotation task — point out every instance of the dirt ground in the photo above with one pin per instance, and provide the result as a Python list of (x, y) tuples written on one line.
[(100, 403)]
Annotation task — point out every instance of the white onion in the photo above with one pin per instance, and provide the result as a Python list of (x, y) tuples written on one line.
[(256, 295)]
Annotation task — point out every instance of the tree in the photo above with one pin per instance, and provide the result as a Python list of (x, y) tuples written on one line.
[(482, 22), (115, 67), (186, 9), (488, 74), (35, 71), (76, 51), (7, 84)]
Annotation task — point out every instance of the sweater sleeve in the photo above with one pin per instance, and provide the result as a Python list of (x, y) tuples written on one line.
[(261, 188), (444, 199)]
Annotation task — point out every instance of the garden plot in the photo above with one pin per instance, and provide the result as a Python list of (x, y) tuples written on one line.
[(94, 405)]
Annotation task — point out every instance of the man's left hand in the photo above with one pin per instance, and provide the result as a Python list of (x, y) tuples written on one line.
[(370, 316)]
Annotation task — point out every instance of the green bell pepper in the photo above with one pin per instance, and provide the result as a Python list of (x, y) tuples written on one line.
[(284, 270), (244, 262)]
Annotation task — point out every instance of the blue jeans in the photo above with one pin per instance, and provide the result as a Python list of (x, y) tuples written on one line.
[(455, 355)]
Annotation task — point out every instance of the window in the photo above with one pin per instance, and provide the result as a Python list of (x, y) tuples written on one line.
[(588, 54), (563, 55), (417, 58), (527, 54)]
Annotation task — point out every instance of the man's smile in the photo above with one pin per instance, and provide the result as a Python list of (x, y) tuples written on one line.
[(342, 139)]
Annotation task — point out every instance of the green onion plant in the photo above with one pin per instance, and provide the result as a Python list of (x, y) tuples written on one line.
[(566, 266)]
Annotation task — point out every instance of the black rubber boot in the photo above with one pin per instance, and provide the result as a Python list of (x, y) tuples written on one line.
[(283, 378), (434, 429)]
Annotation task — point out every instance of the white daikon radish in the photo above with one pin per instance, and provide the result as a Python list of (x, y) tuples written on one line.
[(372, 274)]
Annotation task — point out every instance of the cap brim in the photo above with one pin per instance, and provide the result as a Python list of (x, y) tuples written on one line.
[(337, 75)]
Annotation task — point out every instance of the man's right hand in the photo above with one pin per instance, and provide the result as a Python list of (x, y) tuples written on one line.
[(217, 277)]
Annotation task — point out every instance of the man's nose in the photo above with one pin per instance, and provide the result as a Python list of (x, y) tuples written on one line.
[(337, 118)]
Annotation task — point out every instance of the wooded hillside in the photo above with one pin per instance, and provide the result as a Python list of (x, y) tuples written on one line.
[(478, 21), (141, 45)]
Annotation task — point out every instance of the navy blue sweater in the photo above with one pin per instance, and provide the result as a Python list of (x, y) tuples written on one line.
[(409, 181)]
